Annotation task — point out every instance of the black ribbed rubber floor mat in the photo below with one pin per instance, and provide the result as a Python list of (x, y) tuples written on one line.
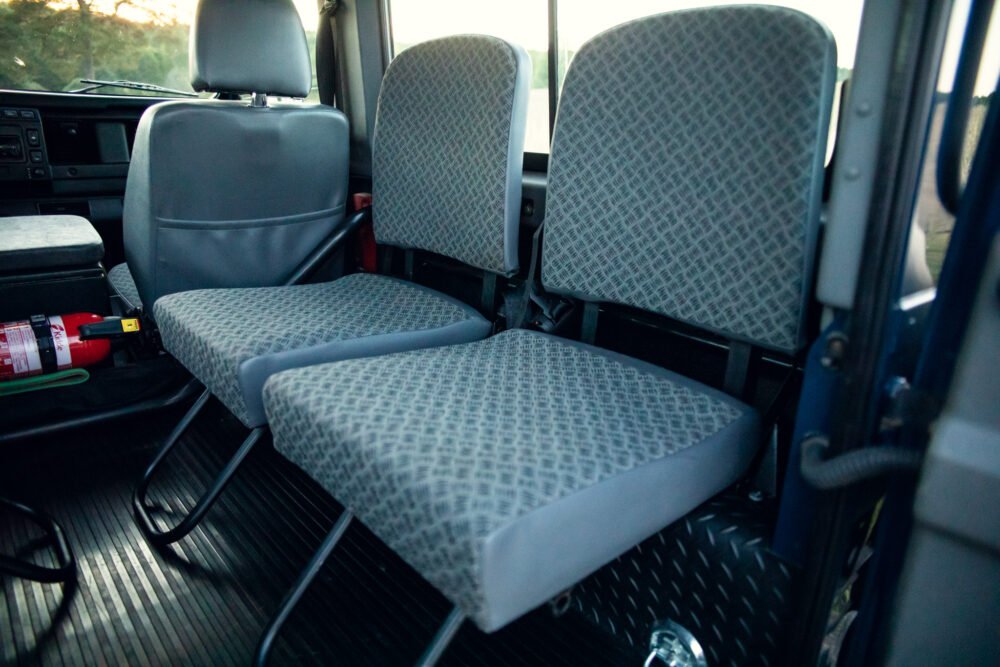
[(205, 600)]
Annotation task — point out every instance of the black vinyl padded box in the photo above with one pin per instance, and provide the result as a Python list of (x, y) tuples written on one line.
[(50, 265)]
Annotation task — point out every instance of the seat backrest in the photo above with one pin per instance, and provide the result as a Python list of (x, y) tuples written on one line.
[(448, 148), (226, 193), (686, 169)]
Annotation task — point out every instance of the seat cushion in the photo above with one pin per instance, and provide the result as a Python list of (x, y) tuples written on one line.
[(233, 339), (39, 242), (123, 286), (506, 470)]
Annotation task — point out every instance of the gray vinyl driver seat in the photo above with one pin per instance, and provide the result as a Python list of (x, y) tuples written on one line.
[(233, 193), (685, 179), (447, 152)]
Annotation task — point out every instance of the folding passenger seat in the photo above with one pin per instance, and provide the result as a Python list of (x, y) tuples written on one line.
[(448, 146), (685, 179), (226, 193)]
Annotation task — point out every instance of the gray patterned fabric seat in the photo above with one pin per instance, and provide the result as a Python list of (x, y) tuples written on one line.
[(506, 470), (232, 340), (469, 91), (122, 285)]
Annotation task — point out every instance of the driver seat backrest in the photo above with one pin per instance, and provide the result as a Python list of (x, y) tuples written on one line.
[(230, 193)]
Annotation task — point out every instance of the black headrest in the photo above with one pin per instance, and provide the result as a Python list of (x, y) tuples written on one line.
[(244, 46)]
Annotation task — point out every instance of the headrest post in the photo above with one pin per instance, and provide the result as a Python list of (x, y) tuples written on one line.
[(258, 100)]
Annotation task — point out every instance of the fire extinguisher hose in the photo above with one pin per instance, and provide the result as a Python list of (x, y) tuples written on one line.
[(49, 381)]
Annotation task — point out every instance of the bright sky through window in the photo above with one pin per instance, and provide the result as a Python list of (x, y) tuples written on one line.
[(180, 10), (523, 21), (414, 21)]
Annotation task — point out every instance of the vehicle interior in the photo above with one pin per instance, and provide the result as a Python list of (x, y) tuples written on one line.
[(393, 332)]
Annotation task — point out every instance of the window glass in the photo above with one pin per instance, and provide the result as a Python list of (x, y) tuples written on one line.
[(578, 22), (53, 44), (523, 22), (933, 221)]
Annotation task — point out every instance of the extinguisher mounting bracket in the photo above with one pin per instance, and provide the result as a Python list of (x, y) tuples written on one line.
[(111, 328)]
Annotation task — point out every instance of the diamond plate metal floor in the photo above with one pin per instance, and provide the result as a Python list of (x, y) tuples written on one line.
[(205, 600), (713, 572)]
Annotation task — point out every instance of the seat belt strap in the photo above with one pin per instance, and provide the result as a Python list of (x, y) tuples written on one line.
[(737, 369), (386, 260), (588, 328), (329, 78), (409, 260), (522, 304), (763, 469), (488, 297)]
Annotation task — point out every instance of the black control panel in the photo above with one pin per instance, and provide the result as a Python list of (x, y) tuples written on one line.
[(22, 146)]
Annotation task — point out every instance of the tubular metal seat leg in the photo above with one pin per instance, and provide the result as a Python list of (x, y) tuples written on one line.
[(444, 635), (66, 567), (188, 523), (293, 596), (431, 655)]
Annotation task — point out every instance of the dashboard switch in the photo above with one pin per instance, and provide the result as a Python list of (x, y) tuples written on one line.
[(36, 156), (34, 137), (10, 148)]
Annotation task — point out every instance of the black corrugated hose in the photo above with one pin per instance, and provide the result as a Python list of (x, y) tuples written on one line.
[(852, 467)]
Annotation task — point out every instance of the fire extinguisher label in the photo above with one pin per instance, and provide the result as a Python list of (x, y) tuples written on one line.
[(18, 350), (60, 342)]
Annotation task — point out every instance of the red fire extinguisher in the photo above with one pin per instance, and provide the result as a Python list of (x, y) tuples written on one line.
[(48, 344)]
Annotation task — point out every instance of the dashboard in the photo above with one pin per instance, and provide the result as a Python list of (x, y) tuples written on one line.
[(22, 146), (68, 154)]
